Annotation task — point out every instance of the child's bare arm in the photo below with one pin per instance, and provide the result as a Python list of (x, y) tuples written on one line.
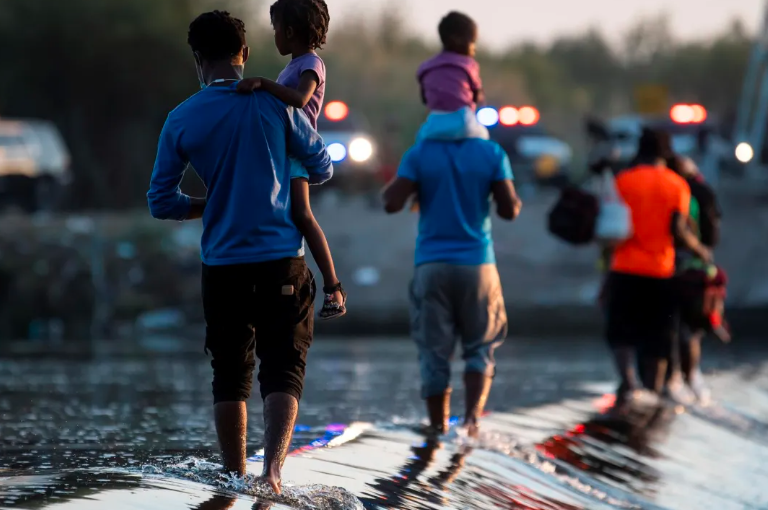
[(480, 98), (310, 229), (298, 98)]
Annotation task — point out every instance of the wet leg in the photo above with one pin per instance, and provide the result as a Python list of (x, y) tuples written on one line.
[(438, 410), (231, 425), (654, 373), (624, 357), (280, 410), (691, 357), (477, 386)]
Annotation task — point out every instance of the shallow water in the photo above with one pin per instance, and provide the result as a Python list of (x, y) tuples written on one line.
[(136, 432)]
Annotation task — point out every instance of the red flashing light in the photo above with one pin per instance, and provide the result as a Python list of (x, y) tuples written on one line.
[(688, 114), (699, 113), (509, 116), (336, 111), (529, 115)]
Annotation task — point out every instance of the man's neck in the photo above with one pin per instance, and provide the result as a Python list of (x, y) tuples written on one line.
[(223, 71)]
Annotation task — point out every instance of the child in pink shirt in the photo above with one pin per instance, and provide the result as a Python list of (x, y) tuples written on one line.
[(450, 80)]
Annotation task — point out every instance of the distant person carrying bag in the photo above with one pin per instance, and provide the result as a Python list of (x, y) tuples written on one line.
[(579, 217), (641, 307)]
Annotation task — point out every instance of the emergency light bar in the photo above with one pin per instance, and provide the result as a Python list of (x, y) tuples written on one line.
[(688, 114), (508, 116), (336, 111)]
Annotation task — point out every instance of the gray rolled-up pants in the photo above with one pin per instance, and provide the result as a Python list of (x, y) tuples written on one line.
[(452, 303)]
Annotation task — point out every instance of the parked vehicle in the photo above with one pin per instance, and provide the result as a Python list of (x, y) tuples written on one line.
[(34, 165), (537, 156), (693, 131), (351, 147)]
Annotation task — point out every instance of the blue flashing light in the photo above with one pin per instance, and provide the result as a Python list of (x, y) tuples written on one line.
[(337, 152), (488, 116)]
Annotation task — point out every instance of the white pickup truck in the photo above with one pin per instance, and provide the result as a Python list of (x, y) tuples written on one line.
[(34, 165)]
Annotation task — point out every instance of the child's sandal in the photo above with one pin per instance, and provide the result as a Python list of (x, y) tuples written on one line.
[(332, 309)]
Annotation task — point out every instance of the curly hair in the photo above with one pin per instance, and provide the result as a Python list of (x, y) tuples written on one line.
[(309, 19), (456, 26), (216, 35)]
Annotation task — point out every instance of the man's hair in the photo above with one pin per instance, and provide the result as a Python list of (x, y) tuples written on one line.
[(217, 35), (456, 26), (309, 19), (654, 145)]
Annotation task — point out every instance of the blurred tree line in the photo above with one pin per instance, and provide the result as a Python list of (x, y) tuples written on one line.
[(109, 71)]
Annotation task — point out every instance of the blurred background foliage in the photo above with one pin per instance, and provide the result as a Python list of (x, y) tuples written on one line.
[(108, 73)]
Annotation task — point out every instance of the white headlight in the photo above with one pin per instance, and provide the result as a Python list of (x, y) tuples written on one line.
[(360, 150), (337, 152), (744, 152), (488, 116)]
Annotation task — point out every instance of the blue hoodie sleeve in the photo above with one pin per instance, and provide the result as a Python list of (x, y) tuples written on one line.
[(503, 167), (306, 145), (166, 201), (409, 166)]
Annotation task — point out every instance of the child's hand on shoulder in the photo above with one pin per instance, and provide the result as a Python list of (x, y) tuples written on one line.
[(248, 85)]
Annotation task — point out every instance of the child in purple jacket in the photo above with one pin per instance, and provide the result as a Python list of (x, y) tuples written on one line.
[(450, 80)]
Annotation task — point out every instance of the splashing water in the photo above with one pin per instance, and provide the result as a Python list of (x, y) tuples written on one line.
[(309, 497)]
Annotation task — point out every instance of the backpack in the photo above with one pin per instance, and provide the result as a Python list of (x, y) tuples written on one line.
[(574, 216)]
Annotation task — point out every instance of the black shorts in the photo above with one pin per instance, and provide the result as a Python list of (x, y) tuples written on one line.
[(263, 310), (642, 313)]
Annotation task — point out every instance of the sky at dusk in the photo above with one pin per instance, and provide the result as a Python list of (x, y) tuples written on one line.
[(505, 22)]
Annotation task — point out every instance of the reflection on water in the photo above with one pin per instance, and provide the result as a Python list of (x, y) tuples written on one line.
[(611, 448), (137, 433), (406, 483)]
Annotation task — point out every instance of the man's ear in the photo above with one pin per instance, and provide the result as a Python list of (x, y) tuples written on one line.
[(289, 32), (246, 54)]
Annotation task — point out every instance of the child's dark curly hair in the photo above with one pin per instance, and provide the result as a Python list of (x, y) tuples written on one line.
[(217, 35), (456, 28), (309, 19)]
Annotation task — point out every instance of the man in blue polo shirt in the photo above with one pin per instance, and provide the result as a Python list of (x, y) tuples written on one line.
[(456, 292), (257, 290)]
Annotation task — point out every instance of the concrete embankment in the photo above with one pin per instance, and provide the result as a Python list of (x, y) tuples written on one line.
[(119, 275)]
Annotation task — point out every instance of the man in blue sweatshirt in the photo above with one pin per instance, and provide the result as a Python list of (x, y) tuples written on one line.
[(257, 290)]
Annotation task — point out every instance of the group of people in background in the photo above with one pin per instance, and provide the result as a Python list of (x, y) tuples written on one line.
[(253, 142), (662, 292)]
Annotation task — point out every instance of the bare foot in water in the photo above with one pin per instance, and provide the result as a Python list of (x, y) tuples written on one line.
[(472, 428), (271, 475)]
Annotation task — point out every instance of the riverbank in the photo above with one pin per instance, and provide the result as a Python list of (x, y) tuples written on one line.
[(125, 275)]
